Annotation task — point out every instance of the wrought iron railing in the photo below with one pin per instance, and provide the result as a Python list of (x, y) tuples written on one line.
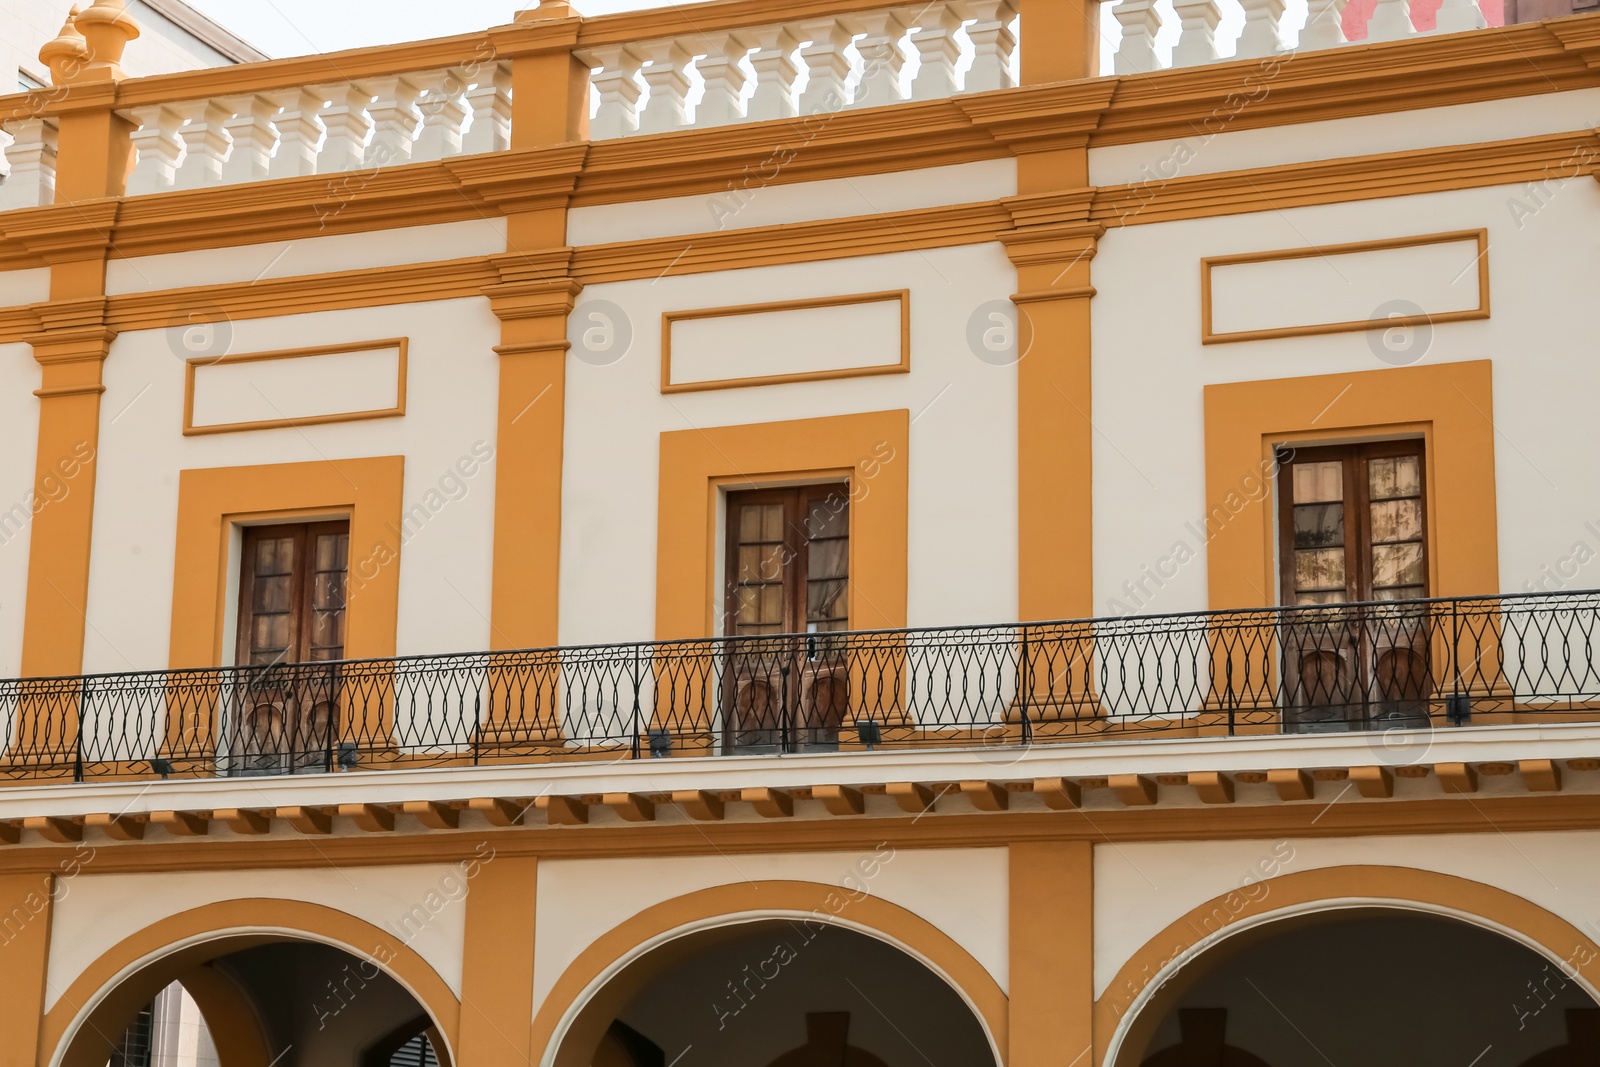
[(1384, 665)]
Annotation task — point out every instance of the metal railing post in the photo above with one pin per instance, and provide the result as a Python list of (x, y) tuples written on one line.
[(1026, 667), (85, 688), (636, 702)]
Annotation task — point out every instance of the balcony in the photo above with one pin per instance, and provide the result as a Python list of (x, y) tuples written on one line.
[(710, 65), (1329, 669)]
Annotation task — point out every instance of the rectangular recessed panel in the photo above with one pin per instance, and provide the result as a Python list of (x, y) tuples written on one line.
[(1405, 281), (255, 391), (803, 340)]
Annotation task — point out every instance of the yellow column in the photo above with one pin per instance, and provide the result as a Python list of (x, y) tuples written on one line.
[(1060, 40), (497, 966), (26, 903), (93, 156), (550, 106), (1051, 247), (1051, 988)]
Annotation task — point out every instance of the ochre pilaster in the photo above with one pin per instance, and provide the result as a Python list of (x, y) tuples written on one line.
[(1051, 988), (497, 964)]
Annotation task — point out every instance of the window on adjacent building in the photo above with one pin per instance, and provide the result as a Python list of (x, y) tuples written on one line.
[(1353, 527), (788, 571)]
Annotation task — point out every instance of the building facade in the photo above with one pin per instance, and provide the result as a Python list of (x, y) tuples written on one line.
[(806, 534)]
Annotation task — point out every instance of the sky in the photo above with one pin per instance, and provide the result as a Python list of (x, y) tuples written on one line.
[(298, 27)]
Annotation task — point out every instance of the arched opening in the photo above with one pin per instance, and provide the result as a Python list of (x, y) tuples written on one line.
[(1383, 987), (257, 1001), (775, 993)]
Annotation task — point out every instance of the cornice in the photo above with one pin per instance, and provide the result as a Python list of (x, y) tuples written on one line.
[(863, 235), (1349, 179), (750, 156), (367, 287)]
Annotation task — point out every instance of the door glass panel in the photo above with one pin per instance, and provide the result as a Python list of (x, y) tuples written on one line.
[(1396, 520), (1321, 568), (1394, 476), (1394, 565), (1319, 526), (1319, 482)]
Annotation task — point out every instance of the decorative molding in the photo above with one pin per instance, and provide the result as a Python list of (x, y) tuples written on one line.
[(901, 366), (1481, 236), (191, 368)]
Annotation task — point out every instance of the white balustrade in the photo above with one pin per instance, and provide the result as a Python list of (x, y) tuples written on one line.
[(205, 143), (719, 66), (808, 67), (1262, 34), (993, 43), (31, 157), (318, 129), (827, 65), (938, 48), (777, 71)]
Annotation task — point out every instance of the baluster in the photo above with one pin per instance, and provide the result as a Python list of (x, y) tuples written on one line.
[(205, 143), (1391, 21), (776, 73), (1262, 34), (1458, 16), (32, 156), (618, 87), (935, 41), (299, 133), (827, 64), (669, 86), (395, 120), (1324, 26), (1197, 43), (345, 118), (881, 58), (1140, 23), (250, 131), (725, 79), (443, 114), (156, 140), (993, 43), (490, 102)]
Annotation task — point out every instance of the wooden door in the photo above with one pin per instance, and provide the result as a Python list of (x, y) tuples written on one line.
[(1353, 531), (788, 574), (292, 588)]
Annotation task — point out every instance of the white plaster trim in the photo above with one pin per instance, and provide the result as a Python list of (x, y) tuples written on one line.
[(1482, 744), (133, 968), (1210, 941), (643, 949)]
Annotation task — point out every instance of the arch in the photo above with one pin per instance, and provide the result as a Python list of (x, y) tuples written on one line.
[(235, 1030), (585, 991), (132, 971), (1122, 1016)]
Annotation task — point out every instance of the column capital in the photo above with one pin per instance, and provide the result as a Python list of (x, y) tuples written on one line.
[(534, 298)]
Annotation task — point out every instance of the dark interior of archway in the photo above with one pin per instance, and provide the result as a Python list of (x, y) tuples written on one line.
[(313, 1005), (782, 994), (1376, 988)]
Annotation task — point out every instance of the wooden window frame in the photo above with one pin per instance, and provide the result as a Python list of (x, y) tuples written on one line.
[(796, 588), (1358, 564), (304, 535)]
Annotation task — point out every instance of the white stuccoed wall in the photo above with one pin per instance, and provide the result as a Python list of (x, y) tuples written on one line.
[(963, 473), (444, 567), (1141, 888), (1150, 369), (962, 892), (19, 443), (94, 912), (312, 255)]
